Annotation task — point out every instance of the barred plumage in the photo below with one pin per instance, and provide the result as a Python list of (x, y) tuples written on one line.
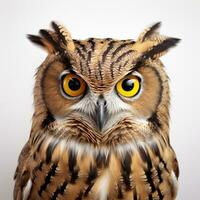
[(109, 141)]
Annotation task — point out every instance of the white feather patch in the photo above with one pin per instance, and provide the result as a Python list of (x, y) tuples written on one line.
[(103, 186), (174, 180), (27, 189)]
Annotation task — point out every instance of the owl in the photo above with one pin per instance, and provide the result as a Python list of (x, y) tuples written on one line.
[(100, 128)]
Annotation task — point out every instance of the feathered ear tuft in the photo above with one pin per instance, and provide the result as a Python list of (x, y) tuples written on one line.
[(36, 39), (58, 40), (149, 32), (161, 48), (150, 44), (64, 37), (42, 42)]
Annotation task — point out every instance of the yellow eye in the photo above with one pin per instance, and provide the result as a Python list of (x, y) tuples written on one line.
[(73, 85), (129, 86)]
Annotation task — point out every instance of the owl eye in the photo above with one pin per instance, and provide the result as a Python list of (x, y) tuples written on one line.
[(129, 86), (73, 85)]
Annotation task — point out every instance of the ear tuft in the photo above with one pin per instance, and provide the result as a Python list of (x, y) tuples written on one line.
[(49, 36), (43, 42), (59, 31), (58, 40), (149, 32), (35, 39), (161, 48), (150, 44), (64, 37)]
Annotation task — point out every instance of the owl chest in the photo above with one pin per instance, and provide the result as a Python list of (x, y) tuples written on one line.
[(60, 173)]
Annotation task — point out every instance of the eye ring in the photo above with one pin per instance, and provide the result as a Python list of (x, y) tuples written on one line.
[(129, 86), (72, 85)]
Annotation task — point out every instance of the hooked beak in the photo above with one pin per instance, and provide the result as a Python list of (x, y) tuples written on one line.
[(101, 112)]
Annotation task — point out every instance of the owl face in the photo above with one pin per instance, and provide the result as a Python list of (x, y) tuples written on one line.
[(102, 81)]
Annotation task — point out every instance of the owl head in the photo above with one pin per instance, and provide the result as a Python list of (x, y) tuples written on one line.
[(98, 86)]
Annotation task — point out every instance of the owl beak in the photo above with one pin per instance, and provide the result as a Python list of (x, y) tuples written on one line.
[(101, 112)]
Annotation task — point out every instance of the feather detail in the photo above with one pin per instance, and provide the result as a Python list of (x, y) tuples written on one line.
[(64, 37), (150, 44)]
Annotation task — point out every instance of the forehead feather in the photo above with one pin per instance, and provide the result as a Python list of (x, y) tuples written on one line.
[(103, 61)]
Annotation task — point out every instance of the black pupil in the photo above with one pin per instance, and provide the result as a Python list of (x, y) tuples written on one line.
[(128, 84), (74, 84)]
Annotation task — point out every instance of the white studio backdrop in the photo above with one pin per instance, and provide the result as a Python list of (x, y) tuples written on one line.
[(105, 18)]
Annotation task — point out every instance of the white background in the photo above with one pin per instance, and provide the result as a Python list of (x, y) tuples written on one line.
[(90, 18)]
